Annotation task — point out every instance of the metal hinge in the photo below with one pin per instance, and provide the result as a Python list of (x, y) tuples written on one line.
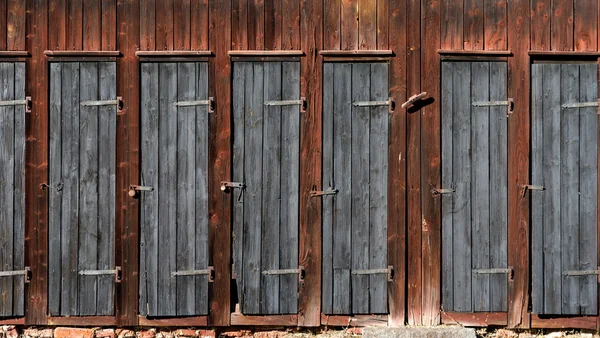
[(413, 99), (210, 103), (26, 103), (390, 103), (302, 103), (299, 271), (580, 105), (438, 191), (389, 271), (316, 193), (225, 186), (210, 272), (116, 272), (578, 273), (510, 104), (118, 102), (25, 273), (509, 271), (526, 187), (135, 189)]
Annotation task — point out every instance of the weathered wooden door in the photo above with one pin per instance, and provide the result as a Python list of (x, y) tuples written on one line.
[(174, 271), (565, 165), (83, 114), (12, 188), (474, 186), (355, 183), (266, 143)]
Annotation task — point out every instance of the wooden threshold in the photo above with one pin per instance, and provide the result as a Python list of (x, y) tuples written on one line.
[(356, 320), (475, 52), (274, 320), (265, 53), (348, 53), (14, 53), (476, 319), (83, 321), (579, 322), (12, 321), (173, 53), (162, 322), (83, 53), (561, 53)]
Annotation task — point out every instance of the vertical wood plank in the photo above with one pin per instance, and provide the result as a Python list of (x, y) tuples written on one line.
[(367, 24), (541, 12), (448, 96), (19, 192), (349, 24), (290, 17), (290, 167), (239, 18), (57, 34), (109, 25), (473, 24), (329, 177), (452, 25), (92, 25), (182, 25), (15, 36), (148, 25), (256, 24), (199, 34), (495, 24), (149, 177), (273, 24), (164, 25), (383, 24), (3, 22), (586, 25), (75, 24), (562, 25), (331, 24), (537, 178)]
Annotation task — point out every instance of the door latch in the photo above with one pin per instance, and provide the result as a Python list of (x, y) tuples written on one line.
[(227, 186), (135, 189)]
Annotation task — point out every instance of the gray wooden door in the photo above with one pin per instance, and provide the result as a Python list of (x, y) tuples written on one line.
[(565, 163), (82, 188), (174, 216), (12, 189), (355, 164), (266, 156), (474, 178)]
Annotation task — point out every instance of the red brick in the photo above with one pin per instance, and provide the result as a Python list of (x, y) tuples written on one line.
[(206, 333), (355, 330), (122, 333), (70, 332), (146, 334), (12, 333), (106, 333), (185, 333)]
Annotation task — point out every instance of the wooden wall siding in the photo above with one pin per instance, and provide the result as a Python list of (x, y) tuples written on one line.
[(565, 163), (82, 188), (266, 147), (174, 217), (475, 165), (355, 163), (474, 25), (12, 189)]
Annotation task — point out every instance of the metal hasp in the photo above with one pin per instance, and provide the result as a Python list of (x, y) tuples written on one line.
[(509, 271), (210, 272), (118, 102), (510, 104), (316, 193), (299, 271), (578, 273), (390, 103), (525, 188), (438, 191), (580, 105), (413, 99), (302, 103), (210, 103), (25, 273), (135, 189), (225, 186), (26, 103), (389, 271), (116, 272)]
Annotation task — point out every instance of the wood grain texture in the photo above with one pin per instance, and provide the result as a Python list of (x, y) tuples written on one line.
[(74, 24), (256, 24), (349, 25), (562, 25), (147, 25), (164, 24), (332, 24), (199, 23), (109, 24), (367, 24), (383, 24), (92, 25), (57, 34), (452, 26), (495, 24), (182, 25), (15, 35), (3, 22), (585, 25), (290, 27), (541, 13), (473, 24), (273, 16)]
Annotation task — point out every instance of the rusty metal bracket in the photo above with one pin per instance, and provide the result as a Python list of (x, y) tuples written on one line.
[(116, 272), (302, 103), (210, 103), (413, 99), (26, 273), (525, 188), (438, 191), (510, 103), (580, 105), (389, 271), (316, 193), (135, 189), (26, 102), (390, 103), (278, 272), (509, 271), (579, 273), (210, 272), (118, 102), (225, 186)]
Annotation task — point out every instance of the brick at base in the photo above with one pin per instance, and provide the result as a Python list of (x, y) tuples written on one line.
[(69, 332)]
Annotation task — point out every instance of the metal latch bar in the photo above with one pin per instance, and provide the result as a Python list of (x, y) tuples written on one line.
[(116, 272), (389, 271), (26, 273), (134, 189), (526, 187), (315, 193), (278, 272), (575, 273), (509, 103), (580, 105), (118, 102), (438, 191), (232, 185), (509, 271), (210, 272), (26, 102), (389, 103), (301, 103), (210, 103)]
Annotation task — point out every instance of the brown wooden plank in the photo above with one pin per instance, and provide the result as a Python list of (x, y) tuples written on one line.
[(15, 38), (311, 145), (290, 16), (431, 170), (36, 171), (518, 164), (586, 25), (367, 24), (383, 23), (166, 322), (562, 25), (57, 34), (413, 170), (83, 53), (127, 208), (199, 32), (540, 24), (585, 322), (147, 24), (274, 320), (452, 25), (331, 24), (349, 25), (273, 23), (83, 321), (174, 53), (3, 22), (14, 53), (92, 22), (220, 158), (357, 53), (598, 247), (495, 24), (12, 321), (355, 321), (479, 319), (239, 26), (475, 52), (473, 25), (397, 166), (109, 25), (567, 53), (256, 24), (182, 25), (74, 24), (164, 25)]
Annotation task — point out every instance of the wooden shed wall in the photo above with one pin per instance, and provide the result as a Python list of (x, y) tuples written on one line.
[(413, 29)]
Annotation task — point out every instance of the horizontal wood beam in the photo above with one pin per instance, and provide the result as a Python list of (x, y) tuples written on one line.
[(480, 319), (163, 322), (172, 53), (82, 53), (347, 53), (275, 320), (475, 52), (14, 53), (12, 321), (84, 321), (561, 53), (358, 320), (265, 53), (583, 322)]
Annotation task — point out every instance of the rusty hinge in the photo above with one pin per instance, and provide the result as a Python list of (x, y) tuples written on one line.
[(26, 102), (116, 272), (210, 272), (210, 103), (277, 272), (389, 272), (390, 103), (134, 190), (509, 271), (302, 103), (578, 273), (580, 105), (316, 193), (413, 99), (510, 104), (25, 273)]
